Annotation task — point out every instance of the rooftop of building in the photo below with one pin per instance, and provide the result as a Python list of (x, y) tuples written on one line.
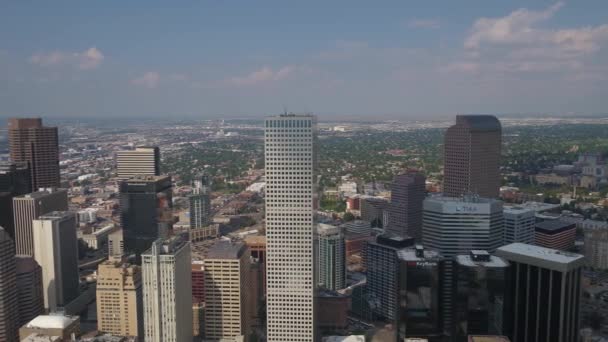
[(52, 321), (479, 122), (351, 338), (517, 210), (540, 256), (25, 263), (166, 247), (146, 178), (42, 192), (471, 261), (413, 254), (324, 229), (479, 338), (555, 225), (292, 115), (257, 240), (36, 337), (57, 215), (224, 249), (471, 199), (539, 206)]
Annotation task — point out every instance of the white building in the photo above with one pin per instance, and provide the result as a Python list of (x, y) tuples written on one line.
[(290, 177), (519, 225), (56, 251), (140, 161), (347, 189), (167, 285)]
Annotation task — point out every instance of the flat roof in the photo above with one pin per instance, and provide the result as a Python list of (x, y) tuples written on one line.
[(517, 210), (540, 256), (473, 338), (466, 260), (52, 321), (409, 254), (555, 225), (39, 194), (224, 249)]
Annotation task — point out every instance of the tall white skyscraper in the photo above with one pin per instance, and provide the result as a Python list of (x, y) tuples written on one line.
[(290, 195), (167, 287), (56, 251)]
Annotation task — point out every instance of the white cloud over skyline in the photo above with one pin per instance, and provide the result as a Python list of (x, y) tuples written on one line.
[(85, 60)]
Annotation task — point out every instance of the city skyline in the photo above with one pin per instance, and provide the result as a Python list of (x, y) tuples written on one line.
[(338, 60)]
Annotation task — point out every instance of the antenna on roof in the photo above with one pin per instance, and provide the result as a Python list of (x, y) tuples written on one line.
[(284, 110)]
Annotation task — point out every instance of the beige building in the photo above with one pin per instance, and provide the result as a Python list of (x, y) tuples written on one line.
[(140, 161), (228, 295), (119, 299), (53, 325)]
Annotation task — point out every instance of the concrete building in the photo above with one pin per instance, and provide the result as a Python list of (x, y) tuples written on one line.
[(290, 160), (120, 299), (56, 251), (146, 204), (228, 293), (405, 209), (116, 244), (419, 294), (334, 315), (555, 234), (545, 291), (454, 226), (9, 309), (382, 262), (374, 210), (200, 203), (519, 224), (144, 161), (257, 247), (472, 156), (332, 257), (14, 181), (29, 207), (52, 325), (480, 294), (38, 146), (167, 286), (30, 296), (596, 247), (358, 227)]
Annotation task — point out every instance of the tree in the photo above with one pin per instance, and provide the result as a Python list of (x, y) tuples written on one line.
[(348, 217)]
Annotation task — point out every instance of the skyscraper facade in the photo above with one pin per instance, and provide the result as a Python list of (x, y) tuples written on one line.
[(419, 300), (382, 263), (144, 161), (167, 289), (290, 143), (545, 288), (519, 224), (200, 203), (120, 299), (29, 207), (29, 288), (145, 211), (472, 156), (56, 251), (480, 294), (14, 181), (38, 146), (9, 305), (332, 257), (454, 226), (228, 291), (405, 209)]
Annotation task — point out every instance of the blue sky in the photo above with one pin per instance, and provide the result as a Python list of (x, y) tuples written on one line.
[(339, 59)]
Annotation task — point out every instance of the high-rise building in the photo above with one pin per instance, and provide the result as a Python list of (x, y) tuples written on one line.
[(120, 299), (52, 327), (257, 247), (200, 203), (167, 291), (545, 288), (29, 288), (419, 300), (56, 251), (472, 156), (454, 226), (519, 224), (9, 305), (144, 161), (116, 244), (332, 257), (382, 262), (29, 207), (228, 292), (290, 143), (145, 211), (198, 282), (14, 181), (405, 209), (480, 294), (596, 247), (38, 146), (373, 210), (555, 234)]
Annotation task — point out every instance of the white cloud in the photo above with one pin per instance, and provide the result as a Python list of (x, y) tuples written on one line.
[(178, 77), (263, 75), (85, 60), (424, 23), (149, 79)]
